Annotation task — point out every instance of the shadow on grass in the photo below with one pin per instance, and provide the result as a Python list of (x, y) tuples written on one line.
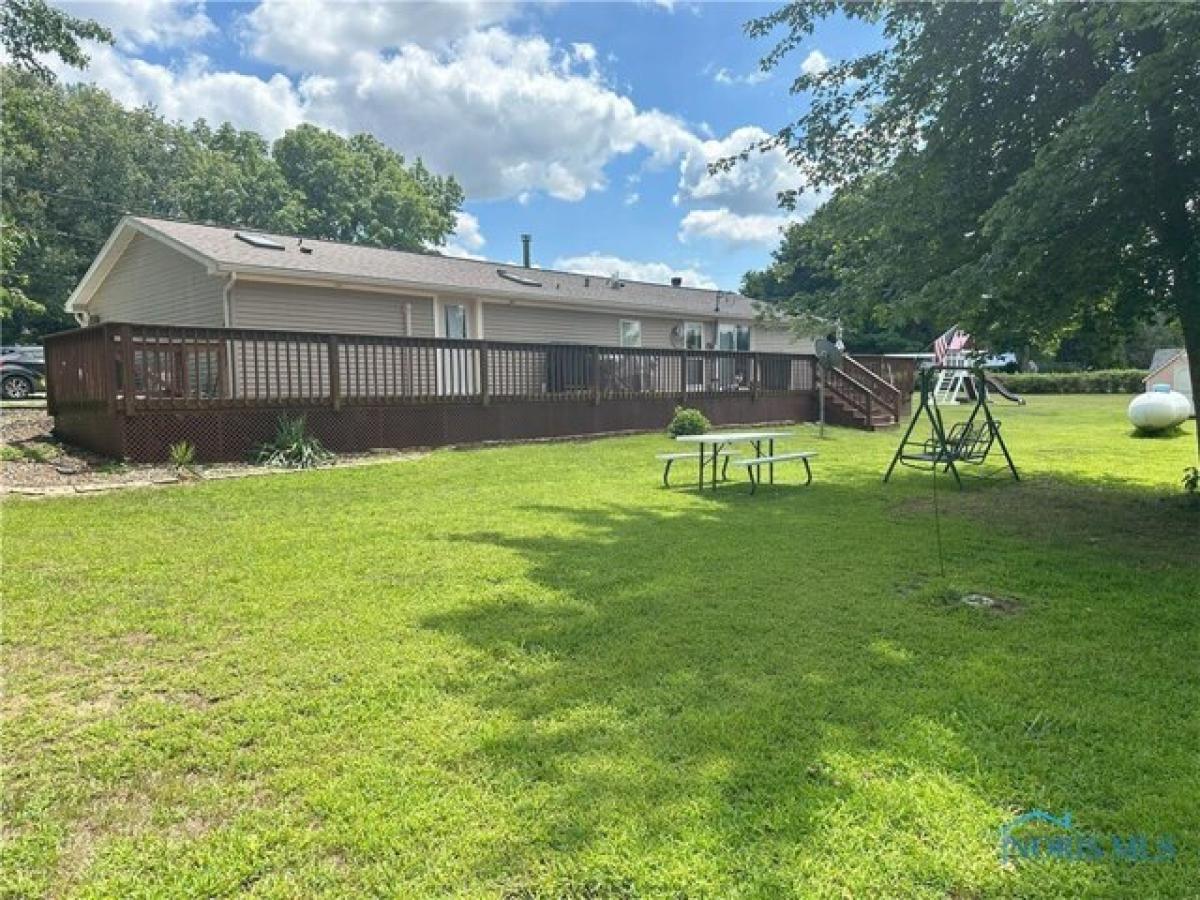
[(767, 689), (1106, 513), (1167, 434)]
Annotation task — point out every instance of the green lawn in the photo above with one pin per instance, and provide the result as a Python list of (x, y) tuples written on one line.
[(530, 671)]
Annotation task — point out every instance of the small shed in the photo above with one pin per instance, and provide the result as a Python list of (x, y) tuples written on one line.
[(1170, 367)]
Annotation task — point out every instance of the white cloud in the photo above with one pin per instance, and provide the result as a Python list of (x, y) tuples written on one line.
[(312, 35), (731, 228), (466, 229), (149, 23), (815, 63), (724, 76), (506, 114), (751, 187), (583, 52), (269, 106), (467, 240), (458, 251), (605, 265), (510, 116)]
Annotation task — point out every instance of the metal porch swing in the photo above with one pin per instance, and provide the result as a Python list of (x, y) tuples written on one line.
[(966, 443)]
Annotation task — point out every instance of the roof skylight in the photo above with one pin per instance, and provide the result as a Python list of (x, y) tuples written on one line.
[(258, 240), (510, 276)]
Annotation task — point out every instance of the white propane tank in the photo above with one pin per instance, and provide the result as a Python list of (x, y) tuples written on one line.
[(1159, 409)]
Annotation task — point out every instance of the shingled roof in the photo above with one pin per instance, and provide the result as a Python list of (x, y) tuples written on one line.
[(222, 250), (1162, 357)]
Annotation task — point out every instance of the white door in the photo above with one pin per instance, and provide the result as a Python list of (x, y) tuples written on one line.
[(693, 339), (458, 368)]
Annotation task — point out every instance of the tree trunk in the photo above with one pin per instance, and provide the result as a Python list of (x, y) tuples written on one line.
[(1189, 317), (1181, 249)]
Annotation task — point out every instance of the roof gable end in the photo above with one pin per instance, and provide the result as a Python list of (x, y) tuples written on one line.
[(116, 245)]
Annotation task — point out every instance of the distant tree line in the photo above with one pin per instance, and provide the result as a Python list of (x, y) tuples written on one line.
[(76, 161)]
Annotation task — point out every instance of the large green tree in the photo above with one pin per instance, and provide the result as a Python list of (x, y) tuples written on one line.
[(359, 190), (1025, 168), (31, 32)]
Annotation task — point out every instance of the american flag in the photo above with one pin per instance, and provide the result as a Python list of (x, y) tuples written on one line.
[(952, 340)]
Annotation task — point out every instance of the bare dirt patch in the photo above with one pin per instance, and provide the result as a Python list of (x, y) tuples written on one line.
[(998, 605)]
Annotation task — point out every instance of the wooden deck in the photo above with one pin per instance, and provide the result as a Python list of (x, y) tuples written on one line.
[(131, 390)]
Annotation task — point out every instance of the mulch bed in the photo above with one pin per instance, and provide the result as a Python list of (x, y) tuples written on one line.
[(49, 467)]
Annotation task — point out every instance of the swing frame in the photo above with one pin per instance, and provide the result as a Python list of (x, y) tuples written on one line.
[(966, 442)]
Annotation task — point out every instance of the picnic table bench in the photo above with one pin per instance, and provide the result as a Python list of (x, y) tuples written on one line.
[(670, 458), (720, 441), (754, 465)]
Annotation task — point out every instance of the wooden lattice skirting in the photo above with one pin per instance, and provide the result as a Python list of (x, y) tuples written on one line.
[(232, 434)]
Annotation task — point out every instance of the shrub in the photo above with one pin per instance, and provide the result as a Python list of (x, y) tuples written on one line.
[(292, 447), (1105, 381), (182, 455), (1191, 482), (688, 421)]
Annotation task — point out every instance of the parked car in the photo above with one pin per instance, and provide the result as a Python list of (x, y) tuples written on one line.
[(22, 371), (1001, 361)]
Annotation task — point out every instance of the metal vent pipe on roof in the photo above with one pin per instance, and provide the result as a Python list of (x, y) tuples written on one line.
[(525, 241), (676, 281)]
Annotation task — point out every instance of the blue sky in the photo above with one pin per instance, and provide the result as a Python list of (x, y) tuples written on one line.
[(589, 125)]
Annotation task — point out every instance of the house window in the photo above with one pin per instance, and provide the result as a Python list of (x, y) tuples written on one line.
[(455, 321), (733, 337), (631, 333), (733, 373), (693, 336)]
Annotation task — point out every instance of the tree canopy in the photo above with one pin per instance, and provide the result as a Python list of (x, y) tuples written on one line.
[(32, 29), (1024, 169)]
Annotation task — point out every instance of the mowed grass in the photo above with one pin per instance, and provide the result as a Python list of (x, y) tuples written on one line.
[(531, 671)]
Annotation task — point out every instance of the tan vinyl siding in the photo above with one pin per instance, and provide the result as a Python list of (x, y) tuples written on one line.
[(365, 371), (153, 284), (766, 339), (536, 324), (308, 308), (422, 317)]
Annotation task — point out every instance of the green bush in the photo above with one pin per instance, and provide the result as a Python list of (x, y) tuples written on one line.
[(293, 447), (688, 421), (182, 455), (1191, 481), (1105, 381)]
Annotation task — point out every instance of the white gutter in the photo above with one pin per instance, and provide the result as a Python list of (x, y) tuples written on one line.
[(226, 301)]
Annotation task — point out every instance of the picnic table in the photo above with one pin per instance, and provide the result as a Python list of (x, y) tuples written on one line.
[(714, 444)]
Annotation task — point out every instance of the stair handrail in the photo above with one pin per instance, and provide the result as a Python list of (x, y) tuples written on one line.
[(894, 405), (863, 406)]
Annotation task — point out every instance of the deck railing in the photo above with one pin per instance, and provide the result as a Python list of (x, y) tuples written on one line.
[(886, 394), (898, 371), (133, 368)]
